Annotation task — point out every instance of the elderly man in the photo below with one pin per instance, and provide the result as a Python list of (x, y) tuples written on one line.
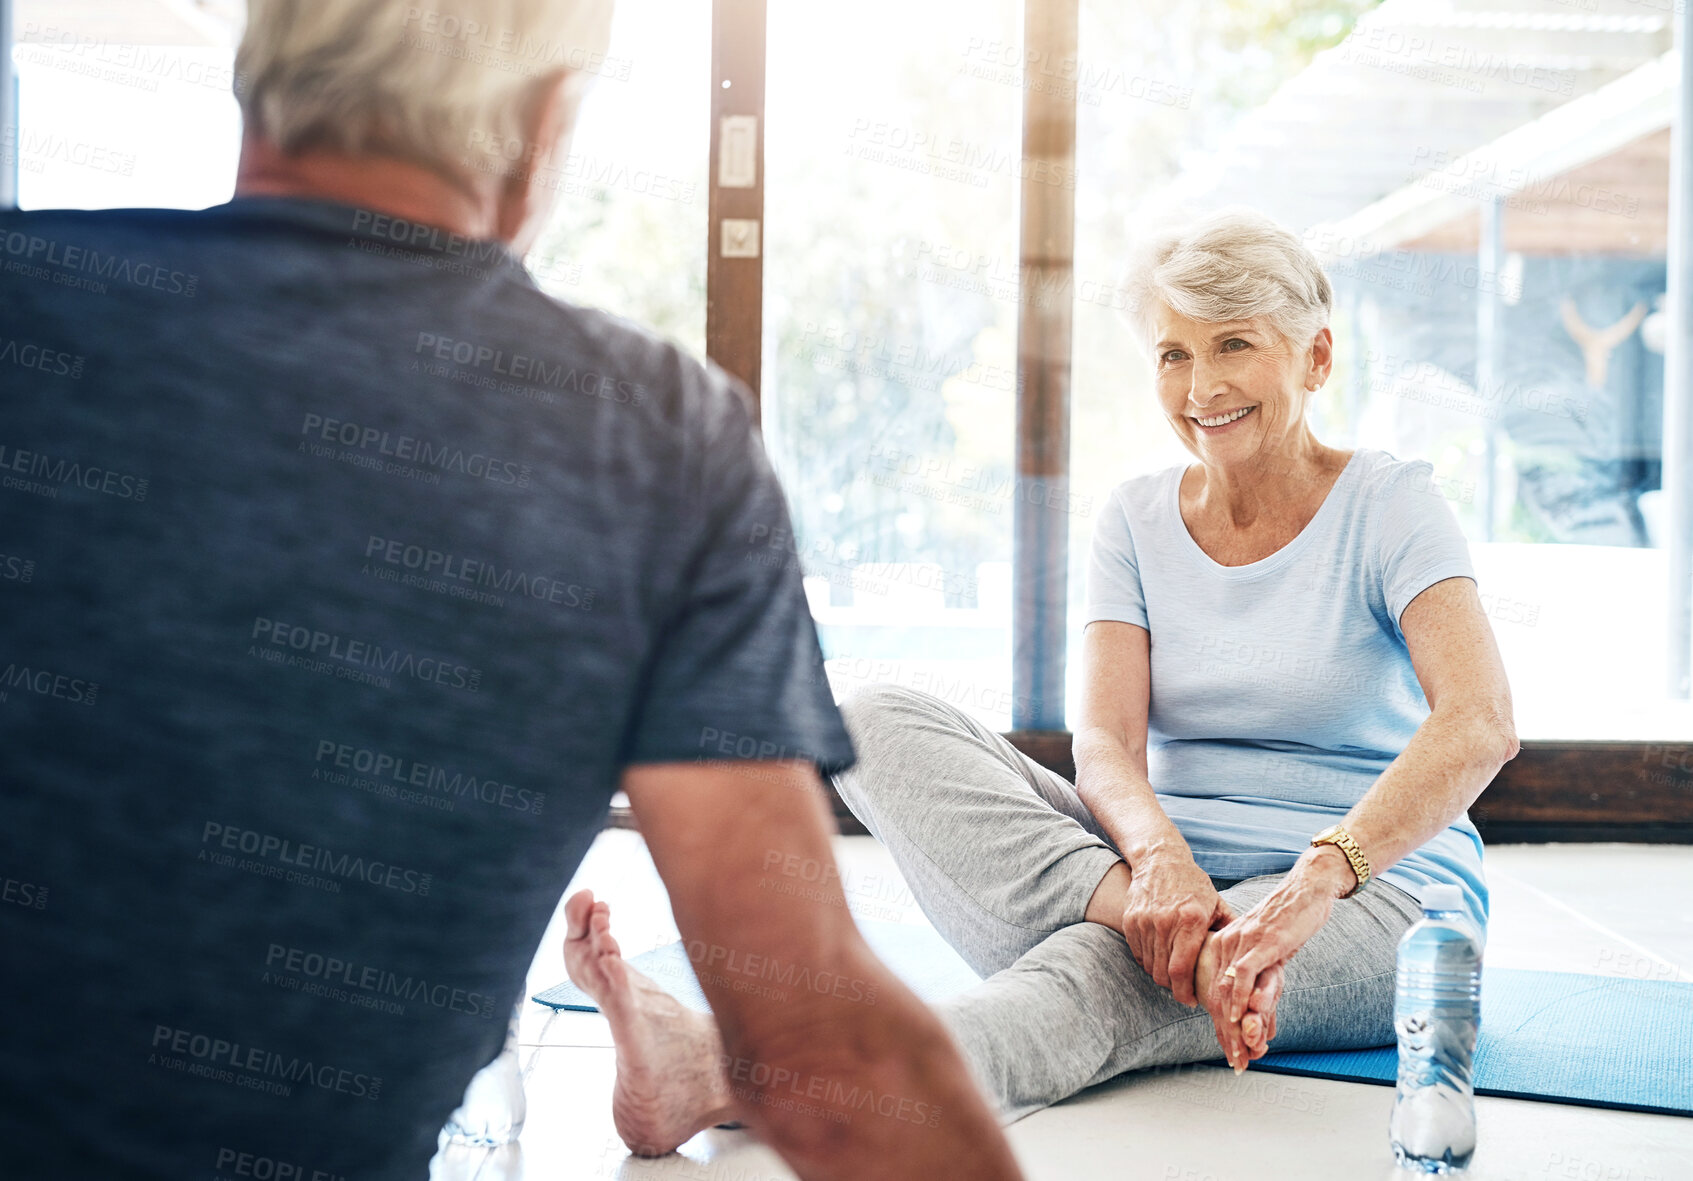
[(357, 574)]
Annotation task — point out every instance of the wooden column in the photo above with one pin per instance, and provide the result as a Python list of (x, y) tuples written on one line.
[(734, 272), (1041, 526)]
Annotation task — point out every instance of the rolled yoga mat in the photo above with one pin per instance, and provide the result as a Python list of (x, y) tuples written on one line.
[(1565, 1037)]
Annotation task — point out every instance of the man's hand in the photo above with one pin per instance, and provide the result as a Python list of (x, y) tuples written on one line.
[(1171, 907)]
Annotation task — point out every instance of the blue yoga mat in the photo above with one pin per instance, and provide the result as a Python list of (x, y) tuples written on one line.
[(1568, 1037), (1565, 1037)]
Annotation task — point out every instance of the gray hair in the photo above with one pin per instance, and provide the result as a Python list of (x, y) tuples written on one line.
[(1233, 264), (437, 82)]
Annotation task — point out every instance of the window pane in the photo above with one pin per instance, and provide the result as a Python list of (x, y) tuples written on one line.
[(124, 107), (893, 148), (1379, 133), (628, 234)]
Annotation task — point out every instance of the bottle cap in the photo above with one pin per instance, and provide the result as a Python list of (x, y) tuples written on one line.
[(1442, 897)]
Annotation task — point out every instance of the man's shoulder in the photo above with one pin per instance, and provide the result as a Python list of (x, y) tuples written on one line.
[(17, 226), (39, 243), (651, 370), (488, 309)]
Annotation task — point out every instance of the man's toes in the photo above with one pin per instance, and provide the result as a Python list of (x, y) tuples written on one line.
[(610, 963), (576, 911)]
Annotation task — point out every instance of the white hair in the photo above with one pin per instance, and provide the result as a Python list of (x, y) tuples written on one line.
[(436, 82), (1234, 264)]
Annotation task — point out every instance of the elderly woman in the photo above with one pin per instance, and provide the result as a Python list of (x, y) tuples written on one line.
[(1291, 697)]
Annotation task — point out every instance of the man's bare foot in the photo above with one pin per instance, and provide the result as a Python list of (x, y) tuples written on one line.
[(1258, 1024), (670, 1081)]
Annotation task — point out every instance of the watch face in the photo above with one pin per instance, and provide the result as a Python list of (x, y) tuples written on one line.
[(1327, 833)]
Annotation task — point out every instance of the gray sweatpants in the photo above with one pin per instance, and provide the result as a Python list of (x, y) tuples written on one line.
[(1003, 857)]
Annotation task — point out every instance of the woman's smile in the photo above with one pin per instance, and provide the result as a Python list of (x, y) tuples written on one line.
[(1213, 423)]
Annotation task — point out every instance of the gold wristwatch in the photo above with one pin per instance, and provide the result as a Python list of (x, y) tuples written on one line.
[(1342, 840)]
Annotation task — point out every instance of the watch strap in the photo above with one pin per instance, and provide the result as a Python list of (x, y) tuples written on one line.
[(1342, 840)]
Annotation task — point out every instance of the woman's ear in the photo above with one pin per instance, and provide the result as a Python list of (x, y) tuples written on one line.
[(1321, 361)]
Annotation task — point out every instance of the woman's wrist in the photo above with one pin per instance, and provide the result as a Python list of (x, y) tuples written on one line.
[(1157, 847), (1326, 869)]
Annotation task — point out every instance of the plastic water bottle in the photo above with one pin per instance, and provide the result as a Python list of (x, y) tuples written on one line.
[(493, 1108), (1437, 1014)]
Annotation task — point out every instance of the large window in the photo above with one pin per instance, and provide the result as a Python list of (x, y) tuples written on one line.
[(1498, 258), (123, 109), (1487, 186), (891, 292), (132, 106)]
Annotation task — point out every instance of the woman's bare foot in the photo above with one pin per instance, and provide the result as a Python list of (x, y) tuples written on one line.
[(670, 1081), (1258, 1024)]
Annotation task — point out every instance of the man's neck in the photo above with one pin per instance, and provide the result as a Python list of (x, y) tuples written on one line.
[(384, 184)]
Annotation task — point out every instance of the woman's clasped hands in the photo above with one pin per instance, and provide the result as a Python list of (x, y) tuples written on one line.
[(1191, 941)]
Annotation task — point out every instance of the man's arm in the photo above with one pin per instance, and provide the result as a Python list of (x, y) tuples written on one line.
[(833, 1061)]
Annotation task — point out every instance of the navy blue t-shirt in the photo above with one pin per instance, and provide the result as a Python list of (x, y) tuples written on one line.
[(341, 573)]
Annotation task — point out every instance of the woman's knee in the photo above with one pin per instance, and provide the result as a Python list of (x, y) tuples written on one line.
[(906, 742), (875, 717), (869, 708), (885, 720)]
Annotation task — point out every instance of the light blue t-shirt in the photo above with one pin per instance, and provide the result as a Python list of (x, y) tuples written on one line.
[(1281, 689)]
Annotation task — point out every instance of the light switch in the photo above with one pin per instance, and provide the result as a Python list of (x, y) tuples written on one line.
[(740, 238), (737, 152)]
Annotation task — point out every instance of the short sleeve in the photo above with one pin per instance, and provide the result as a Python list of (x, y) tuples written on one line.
[(1420, 542), (737, 671), (1114, 590)]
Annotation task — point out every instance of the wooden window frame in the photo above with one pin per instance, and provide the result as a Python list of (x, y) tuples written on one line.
[(734, 286)]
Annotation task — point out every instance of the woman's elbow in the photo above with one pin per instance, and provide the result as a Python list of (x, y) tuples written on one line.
[(1094, 740), (1494, 731), (1485, 732)]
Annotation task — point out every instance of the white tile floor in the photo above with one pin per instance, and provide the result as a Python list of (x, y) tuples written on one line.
[(1604, 909)]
